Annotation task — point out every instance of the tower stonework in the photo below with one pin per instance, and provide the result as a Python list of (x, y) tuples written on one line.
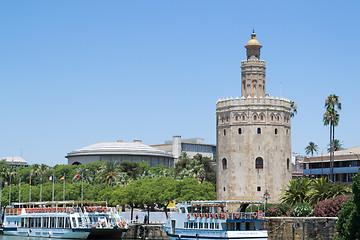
[(253, 137)]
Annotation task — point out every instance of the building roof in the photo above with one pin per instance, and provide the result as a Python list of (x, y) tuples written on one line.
[(14, 160), (119, 148), (349, 153)]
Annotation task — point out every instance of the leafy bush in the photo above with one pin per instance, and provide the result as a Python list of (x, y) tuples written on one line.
[(277, 210), (330, 207), (300, 210)]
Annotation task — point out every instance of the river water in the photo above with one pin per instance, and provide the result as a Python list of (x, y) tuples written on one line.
[(4, 237)]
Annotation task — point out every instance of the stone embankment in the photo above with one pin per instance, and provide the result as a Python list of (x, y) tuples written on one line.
[(301, 228), (279, 228)]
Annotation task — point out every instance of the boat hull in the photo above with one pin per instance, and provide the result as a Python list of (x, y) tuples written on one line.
[(206, 234), (99, 233), (48, 232)]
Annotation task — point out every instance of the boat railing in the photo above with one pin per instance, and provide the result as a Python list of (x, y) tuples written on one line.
[(85, 220), (228, 216), (13, 211)]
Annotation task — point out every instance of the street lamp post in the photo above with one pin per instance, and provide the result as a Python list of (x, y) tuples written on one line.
[(266, 196)]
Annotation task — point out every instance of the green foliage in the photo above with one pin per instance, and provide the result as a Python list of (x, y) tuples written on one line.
[(300, 210), (297, 191), (304, 190), (125, 183), (348, 223)]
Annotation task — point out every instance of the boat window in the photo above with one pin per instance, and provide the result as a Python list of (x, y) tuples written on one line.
[(191, 225), (22, 222), (201, 225), (45, 222), (32, 222), (52, 222), (67, 222), (186, 224), (74, 222), (206, 225), (216, 226), (38, 222), (182, 210), (195, 225), (211, 225), (61, 222), (79, 221)]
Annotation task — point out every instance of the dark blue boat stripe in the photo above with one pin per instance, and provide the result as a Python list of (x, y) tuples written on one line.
[(186, 236)]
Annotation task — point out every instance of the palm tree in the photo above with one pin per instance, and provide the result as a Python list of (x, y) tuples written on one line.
[(108, 172), (311, 148), (293, 109), (337, 145), (331, 117), (297, 191)]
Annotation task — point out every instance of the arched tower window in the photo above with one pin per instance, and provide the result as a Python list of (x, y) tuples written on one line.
[(272, 118), (276, 131), (278, 118), (224, 132), (259, 131), (243, 117), (287, 164), (240, 131), (262, 117), (255, 117), (224, 164), (236, 118), (259, 163)]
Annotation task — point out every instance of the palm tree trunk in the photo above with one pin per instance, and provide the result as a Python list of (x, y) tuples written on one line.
[(331, 149)]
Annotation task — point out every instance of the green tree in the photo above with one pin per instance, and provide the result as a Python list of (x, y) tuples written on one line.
[(293, 108), (133, 169), (348, 223), (108, 172), (297, 191), (337, 145), (311, 148), (331, 118)]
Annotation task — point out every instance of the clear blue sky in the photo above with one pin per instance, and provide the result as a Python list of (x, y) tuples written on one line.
[(74, 73)]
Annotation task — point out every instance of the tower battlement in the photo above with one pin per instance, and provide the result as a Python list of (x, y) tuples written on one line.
[(268, 101)]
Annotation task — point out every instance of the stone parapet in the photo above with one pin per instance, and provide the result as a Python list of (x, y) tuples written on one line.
[(253, 101)]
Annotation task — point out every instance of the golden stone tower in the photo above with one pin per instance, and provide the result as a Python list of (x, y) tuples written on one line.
[(253, 136)]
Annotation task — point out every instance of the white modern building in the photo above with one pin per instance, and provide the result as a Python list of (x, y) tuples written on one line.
[(191, 146), (15, 161), (120, 151)]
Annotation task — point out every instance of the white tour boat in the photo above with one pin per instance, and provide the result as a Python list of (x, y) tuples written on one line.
[(62, 219), (216, 220), (106, 222)]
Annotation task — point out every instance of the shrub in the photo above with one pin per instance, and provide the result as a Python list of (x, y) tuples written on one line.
[(277, 210), (330, 207), (300, 210)]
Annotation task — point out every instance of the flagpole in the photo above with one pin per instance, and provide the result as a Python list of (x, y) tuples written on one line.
[(53, 188), (19, 189), (41, 188), (30, 191), (82, 187), (64, 189), (10, 191), (0, 192)]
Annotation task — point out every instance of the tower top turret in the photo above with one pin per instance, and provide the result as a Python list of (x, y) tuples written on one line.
[(253, 40)]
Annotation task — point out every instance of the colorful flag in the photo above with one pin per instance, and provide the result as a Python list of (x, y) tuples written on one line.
[(62, 177), (77, 176), (30, 181), (51, 178)]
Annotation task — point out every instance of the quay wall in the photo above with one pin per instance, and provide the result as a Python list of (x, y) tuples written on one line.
[(301, 228), (279, 228)]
